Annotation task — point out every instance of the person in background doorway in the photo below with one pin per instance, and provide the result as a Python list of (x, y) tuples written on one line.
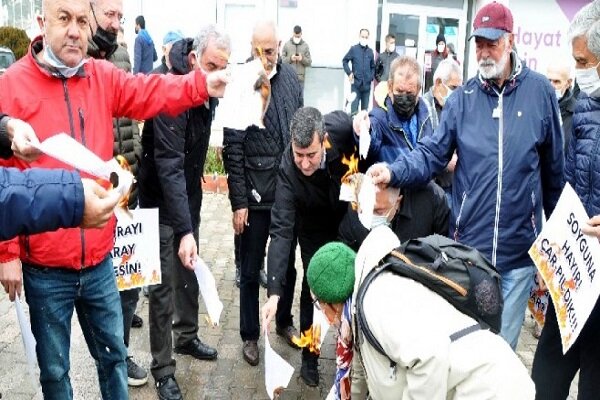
[(560, 75), (361, 72), (297, 53), (386, 56), (439, 54), (144, 53)]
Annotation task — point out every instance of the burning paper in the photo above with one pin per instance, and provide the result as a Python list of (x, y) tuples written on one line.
[(208, 289), (364, 139), (351, 179), (246, 96), (314, 336), (278, 372), (366, 201), (27, 336)]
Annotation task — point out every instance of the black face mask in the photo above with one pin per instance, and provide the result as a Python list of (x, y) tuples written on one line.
[(105, 40), (404, 105)]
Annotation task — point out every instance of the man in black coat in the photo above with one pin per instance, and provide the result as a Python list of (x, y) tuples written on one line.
[(251, 158), (174, 152), (308, 190), (560, 75)]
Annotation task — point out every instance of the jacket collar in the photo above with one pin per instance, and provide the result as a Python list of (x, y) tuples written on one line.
[(378, 243), (35, 47), (518, 70)]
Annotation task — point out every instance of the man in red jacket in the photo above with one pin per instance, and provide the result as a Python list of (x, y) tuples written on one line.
[(56, 89)]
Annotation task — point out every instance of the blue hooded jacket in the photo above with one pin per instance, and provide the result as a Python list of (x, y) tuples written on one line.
[(510, 163), (144, 53), (582, 169)]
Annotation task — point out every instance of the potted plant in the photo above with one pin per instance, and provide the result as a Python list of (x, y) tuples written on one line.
[(214, 179)]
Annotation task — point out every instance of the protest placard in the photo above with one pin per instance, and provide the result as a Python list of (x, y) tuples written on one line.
[(565, 257), (135, 254)]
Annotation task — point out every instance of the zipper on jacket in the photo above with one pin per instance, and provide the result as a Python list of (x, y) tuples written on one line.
[(27, 247), (535, 232), (500, 114), (69, 111), (81, 231), (460, 210)]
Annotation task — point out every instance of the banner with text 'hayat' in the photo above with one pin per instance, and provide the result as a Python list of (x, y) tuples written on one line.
[(565, 257), (136, 257)]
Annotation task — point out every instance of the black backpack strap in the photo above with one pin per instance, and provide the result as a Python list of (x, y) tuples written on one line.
[(465, 331), (362, 326)]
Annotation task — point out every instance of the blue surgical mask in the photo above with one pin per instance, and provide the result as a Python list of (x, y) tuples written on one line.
[(588, 80), (379, 220), (53, 61)]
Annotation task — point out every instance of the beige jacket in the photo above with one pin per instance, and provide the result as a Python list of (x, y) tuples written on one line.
[(413, 325), (290, 49)]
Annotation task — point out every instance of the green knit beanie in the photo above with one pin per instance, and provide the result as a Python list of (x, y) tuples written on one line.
[(330, 273)]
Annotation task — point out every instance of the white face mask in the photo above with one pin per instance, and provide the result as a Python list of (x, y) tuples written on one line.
[(448, 93), (588, 80), (379, 220), (296, 40), (363, 42), (559, 94), (391, 48), (440, 48)]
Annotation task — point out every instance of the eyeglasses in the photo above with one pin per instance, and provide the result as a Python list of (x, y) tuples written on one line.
[(316, 304)]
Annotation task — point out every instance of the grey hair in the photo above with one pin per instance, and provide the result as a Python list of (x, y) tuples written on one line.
[(207, 33), (445, 70), (586, 23), (305, 123), (411, 63)]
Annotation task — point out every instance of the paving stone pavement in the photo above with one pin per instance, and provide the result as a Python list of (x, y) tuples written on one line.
[(230, 377)]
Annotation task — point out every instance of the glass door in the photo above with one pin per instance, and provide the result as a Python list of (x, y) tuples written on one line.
[(416, 28)]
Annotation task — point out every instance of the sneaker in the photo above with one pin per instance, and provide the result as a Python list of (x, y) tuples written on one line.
[(309, 371), (136, 375), (137, 321), (168, 389)]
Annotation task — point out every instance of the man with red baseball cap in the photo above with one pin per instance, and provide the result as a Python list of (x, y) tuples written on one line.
[(505, 125)]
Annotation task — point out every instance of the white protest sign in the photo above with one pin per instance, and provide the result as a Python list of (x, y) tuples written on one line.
[(135, 254), (565, 257), (538, 302)]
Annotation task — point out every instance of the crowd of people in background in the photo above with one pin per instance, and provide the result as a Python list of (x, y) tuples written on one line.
[(481, 163)]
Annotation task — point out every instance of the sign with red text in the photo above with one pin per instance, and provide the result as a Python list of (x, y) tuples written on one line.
[(565, 257), (135, 254)]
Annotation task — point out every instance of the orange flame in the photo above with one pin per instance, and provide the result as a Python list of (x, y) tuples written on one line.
[(310, 338), (352, 164), (125, 258)]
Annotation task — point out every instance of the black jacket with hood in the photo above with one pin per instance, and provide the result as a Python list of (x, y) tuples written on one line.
[(252, 156), (174, 152), (309, 202)]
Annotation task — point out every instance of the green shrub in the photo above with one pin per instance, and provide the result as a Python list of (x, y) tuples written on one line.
[(15, 39), (214, 161)]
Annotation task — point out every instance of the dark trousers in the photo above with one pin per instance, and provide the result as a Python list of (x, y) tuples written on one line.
[(252, 253), (553, 372), (362, 96), (173, 306), (129, 300)]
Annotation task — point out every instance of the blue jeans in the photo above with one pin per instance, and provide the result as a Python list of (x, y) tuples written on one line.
[(52, 294), (516, 285), (362, 97)]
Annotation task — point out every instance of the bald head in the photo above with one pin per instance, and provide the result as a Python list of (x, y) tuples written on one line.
[(559, 74), (265, 30), (265, 43)]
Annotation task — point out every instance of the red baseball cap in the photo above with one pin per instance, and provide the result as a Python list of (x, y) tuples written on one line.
[(492, 21)]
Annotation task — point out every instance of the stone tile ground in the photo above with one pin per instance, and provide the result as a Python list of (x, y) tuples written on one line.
[(227, 378)]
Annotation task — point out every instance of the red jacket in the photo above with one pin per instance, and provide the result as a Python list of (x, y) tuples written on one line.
[(84, 106)]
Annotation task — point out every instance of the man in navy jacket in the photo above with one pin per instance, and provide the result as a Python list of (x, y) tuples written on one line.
[(363, 70), (505, 126)]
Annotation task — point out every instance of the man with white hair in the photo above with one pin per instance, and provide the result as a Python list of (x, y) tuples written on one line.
[(560, 75), (504, 125)]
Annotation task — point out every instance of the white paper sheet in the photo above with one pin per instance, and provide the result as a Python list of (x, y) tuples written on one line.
[(320, 319), (364, 140), (27, 336), (278, 372), (242, 105), (366, 201), (208, 289)]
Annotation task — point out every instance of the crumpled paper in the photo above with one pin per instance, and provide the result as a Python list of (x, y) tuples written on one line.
[(208, 289), (366, 201), (364, 141)]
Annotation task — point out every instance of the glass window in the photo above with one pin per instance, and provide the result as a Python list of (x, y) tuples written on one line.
[(406, 30)]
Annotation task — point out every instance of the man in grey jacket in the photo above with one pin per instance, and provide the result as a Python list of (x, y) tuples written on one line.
[(297, 53)]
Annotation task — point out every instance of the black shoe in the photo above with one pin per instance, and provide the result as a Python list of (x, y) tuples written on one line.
[(238, 275), (197, 349), (137, 321), (263, 278), (136, 375), (309, 371), (288, 333), (250, 352), (168, 389)]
